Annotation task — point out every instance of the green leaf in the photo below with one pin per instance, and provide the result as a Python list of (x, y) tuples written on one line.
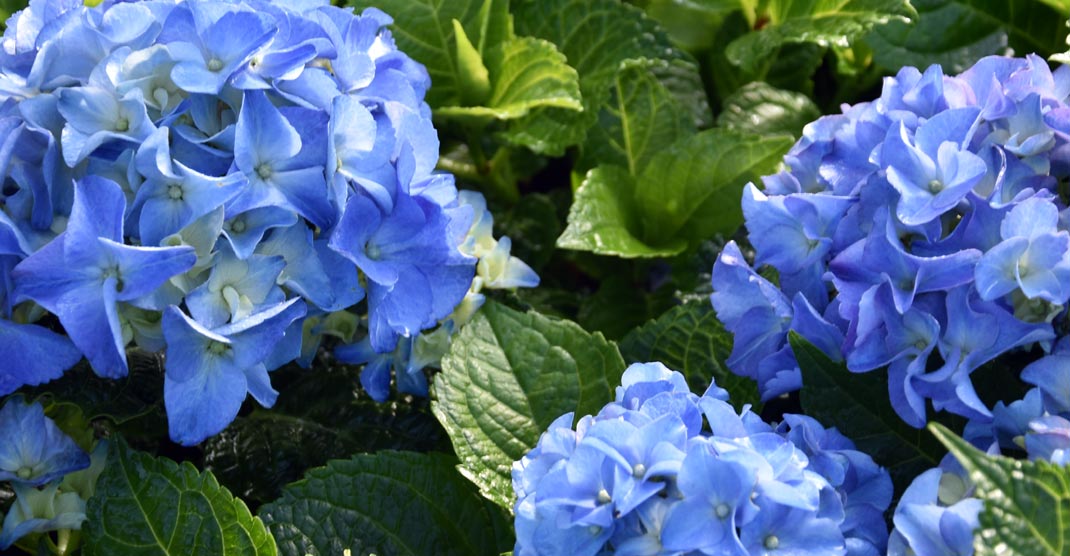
[(397, 503), (763, 109), (532, 226), (508, 375), (1027, 503), (823, 22), (691, 190), (690, 22), (424, 29), (153, 506), (525, 74), (689, 338), (137, 395), (858, 405), (640, 119), (596, 36), (602, 218), (473, 79), (956, 33), (260, 453)]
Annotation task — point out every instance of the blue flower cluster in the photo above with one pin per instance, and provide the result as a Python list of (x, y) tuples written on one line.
[(924, 232), (225, 180), (938, 514), (662, 471), (51, 475)]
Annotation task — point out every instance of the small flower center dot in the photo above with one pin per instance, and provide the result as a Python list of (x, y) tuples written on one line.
[(604, 497), (722, 510), (174, 191), (771, 542), (122, 124), (215, 64), (264, 171), (936, 186)]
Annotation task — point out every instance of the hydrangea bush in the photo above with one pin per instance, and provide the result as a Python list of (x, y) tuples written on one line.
[(258, 291)]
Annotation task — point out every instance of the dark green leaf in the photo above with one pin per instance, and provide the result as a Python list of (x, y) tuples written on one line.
[(153, 506), (136, 395), (320, 415), (602, 218), (641, 117), (1027, 503), (689, 338), (620, 304), (532, 225), (525, 74), (763, 109), (388, 503), (507, 376), (858, 405), (823, 22), (691, 190), (946, 32)]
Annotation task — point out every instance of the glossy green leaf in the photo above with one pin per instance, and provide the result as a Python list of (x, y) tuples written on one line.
[(596, 36), (823, 22), (603, 220), (761, 108), (957, 33), (858, 405), (1027, 503), (691, 190), (424, 30), (147, 506), (508, 375), (641, 117), (689, 338), (524, 74), (396, 503)]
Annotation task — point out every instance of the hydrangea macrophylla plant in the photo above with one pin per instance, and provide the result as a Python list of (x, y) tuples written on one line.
[(923, 232), (204, 178), (646, 475)]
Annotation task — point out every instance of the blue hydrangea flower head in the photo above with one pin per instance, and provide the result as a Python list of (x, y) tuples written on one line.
[(922, 233), (638, 480), (36, 451), (216, 161)]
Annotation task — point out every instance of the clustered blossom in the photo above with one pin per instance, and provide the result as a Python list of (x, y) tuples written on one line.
[(226, 181), (52, 476), (924, 232), (662, 471)]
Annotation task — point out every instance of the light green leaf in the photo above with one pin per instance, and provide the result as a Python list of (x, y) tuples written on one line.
[(641, 117), (824, 22), (508, 375), (596, 36), (858, 405), (763, 109), (399, 503), (424, 30), (692, 189), (692, 23), (473, 79), (1027, 503), (689, 338), (148, 506), (525, 74), (602, 218)]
